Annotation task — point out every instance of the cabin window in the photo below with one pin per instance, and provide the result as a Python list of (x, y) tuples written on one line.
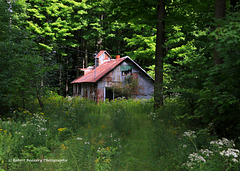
[(78, 89), (111, 94), (126, 70), (84, 91)]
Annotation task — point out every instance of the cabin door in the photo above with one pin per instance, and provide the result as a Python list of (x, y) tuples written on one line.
[(109, 93)]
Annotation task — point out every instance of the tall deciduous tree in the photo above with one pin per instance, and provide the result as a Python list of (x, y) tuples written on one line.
[(158, 86)]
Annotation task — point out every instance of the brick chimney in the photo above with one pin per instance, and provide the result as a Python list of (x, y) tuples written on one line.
[(117, 56)]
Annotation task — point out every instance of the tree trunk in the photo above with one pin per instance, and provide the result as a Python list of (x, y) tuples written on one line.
[(77, 61), (60, 79), (86, 55), (220, 13), (66, 80), (158, 86), (23, 99), (78, 53), (220, 9), (38, 94)]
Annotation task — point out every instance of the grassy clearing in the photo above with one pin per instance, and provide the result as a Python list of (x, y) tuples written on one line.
[(77, 134)]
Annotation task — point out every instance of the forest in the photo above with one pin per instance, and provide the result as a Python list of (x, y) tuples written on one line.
[(190, 47)]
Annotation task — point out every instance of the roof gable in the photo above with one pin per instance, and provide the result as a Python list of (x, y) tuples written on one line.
[(102, 56), (127, 57), (103, 52)]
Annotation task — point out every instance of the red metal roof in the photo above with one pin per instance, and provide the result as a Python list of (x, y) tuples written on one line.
[(99, 72)]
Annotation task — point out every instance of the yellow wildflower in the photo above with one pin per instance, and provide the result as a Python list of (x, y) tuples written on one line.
[(107, 148), (63, 147), (5, 131), (107, 160), (1, 130), (103, 127), (101, 142), (42, 113), (86, 134), (61, 129), (93, 141), (97, 160)]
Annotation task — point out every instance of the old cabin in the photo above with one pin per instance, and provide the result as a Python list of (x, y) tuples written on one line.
[(99, 82)]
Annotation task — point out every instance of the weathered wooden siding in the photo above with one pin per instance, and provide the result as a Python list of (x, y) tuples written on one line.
[(146, 84)]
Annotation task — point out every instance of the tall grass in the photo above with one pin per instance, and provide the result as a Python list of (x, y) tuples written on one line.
[(78, 134)]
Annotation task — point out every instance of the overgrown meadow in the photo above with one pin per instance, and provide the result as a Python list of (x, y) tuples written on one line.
[(77, 134)]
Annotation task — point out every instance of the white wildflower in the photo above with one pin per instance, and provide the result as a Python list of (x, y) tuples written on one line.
[(78, 138), (234, 160), (189, 134), (189, 164), (210, 124), (223, 142), (207, 152), (220, 143), (43, 129), (230, 152), (196, 157)]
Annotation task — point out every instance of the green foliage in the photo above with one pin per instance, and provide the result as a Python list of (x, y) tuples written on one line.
[(117, 135), (142, 44), (126, 89), (20, 64), (120, 118), (220, 96), (208, 93), (7, 145)]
